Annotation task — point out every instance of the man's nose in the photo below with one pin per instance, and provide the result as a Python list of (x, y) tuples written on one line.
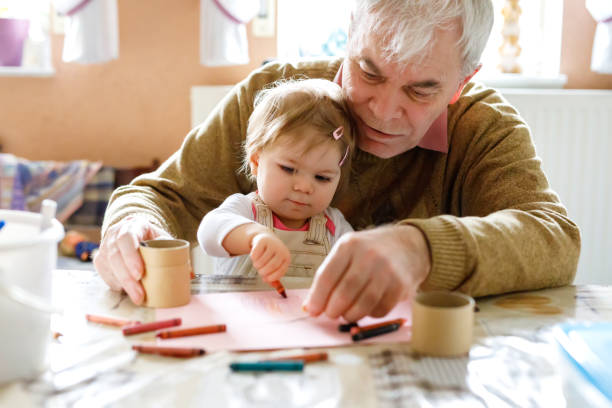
[(385, 105)]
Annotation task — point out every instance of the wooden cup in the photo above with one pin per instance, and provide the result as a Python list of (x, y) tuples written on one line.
[(442, 324), (167, 277)]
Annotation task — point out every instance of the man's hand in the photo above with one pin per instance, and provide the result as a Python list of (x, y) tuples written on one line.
[(270, 256), (369, 272), (119, 262)]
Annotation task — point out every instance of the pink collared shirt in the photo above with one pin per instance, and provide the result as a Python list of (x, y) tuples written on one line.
[(436, 137)]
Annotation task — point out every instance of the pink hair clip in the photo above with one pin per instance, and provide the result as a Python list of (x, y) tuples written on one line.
[(338, 133)]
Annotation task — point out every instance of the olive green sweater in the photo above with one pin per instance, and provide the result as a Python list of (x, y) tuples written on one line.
[(492, 222)]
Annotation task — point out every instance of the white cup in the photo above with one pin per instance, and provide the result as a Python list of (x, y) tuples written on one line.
[(27, 259)]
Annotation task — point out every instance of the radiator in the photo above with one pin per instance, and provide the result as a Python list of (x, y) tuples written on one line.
[(572, 131)]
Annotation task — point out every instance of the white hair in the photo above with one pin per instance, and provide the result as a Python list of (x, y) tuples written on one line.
[(406, 27)]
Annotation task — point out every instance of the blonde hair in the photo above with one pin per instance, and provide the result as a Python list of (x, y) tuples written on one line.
[(291, 104), (407, 27)]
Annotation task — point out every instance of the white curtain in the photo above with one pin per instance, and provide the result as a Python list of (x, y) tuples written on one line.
[(223, 38), (601, 59), (92, 30)]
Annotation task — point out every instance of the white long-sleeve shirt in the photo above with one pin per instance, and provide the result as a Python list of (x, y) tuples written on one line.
[(237, 210)]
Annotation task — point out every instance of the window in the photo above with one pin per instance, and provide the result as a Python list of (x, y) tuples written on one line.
[(24, 37), (316, 30), (321, 30), (539, 25)]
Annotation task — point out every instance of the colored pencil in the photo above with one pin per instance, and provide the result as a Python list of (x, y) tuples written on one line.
[(357, 329), (193, 331), (306, 358), (346, 327), (169, 351), (279, 288), (110, 321), (268, 366), (146, 327), (366, 334)]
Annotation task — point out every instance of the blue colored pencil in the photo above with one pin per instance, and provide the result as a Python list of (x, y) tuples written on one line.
[(2, 223), (268, 366)]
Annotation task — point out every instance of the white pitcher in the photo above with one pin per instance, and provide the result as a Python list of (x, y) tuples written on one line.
[(28, 255)]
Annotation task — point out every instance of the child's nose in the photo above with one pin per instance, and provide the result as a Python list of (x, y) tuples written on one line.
[(302, 184)]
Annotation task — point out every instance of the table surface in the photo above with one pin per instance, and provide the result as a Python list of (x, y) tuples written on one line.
[(513, 360)]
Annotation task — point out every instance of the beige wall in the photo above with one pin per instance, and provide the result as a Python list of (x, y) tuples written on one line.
[(125, 112), (129, 111)]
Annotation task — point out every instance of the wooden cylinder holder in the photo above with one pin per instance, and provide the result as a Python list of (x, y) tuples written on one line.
[(442, 324), (167, 277)]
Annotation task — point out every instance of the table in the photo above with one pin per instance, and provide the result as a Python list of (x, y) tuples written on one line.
[(513, 361)]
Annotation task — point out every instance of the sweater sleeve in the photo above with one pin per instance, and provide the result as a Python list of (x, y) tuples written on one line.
[(206, 168), (506, 229), (196, 178), (236, 210)]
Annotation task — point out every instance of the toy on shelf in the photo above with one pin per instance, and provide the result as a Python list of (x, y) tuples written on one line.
[(76, 244)]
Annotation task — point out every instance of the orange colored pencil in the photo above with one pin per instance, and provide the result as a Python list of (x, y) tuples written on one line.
[(193, 331), (169, 351), (306, 358), (357, 329), (145, 327), (279, 288), (110, 321)]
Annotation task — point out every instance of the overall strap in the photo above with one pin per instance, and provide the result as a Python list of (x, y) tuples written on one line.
[(317, 231), (263, 213)]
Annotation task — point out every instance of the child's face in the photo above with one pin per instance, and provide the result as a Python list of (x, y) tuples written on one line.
[(296, 184)]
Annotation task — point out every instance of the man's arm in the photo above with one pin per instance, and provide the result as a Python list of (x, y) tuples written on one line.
[(205, 170), (171, 200), (193, 181), (506, 229), (503, 229)]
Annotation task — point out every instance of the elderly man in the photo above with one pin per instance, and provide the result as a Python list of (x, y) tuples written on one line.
[(445, 170)]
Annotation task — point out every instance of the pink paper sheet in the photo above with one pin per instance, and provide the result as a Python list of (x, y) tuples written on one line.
[(264, 320)]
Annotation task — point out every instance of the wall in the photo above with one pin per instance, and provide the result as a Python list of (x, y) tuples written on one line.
[(577, 39), (125, 112), (129, 111)]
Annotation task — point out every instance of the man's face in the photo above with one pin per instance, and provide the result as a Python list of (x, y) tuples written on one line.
[(394, 104)]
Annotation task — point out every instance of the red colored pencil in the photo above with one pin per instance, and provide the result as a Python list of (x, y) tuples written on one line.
[(279, 288), (193, 331), (169, 351), (145, 327)]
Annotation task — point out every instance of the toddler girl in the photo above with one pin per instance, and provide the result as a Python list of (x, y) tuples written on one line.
[(298, 146)]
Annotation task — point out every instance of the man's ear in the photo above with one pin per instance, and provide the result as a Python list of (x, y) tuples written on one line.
[(462, 84), (254, 163)]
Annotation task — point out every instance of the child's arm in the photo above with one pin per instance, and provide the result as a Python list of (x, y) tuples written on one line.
[(235, 211), (269, 254)]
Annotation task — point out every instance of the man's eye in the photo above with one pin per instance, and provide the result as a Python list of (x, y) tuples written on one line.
[(369, 76), (324, 179), (421, 94), (286, 169)]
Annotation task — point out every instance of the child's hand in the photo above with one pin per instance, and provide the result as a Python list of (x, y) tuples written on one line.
[(270, 256)]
